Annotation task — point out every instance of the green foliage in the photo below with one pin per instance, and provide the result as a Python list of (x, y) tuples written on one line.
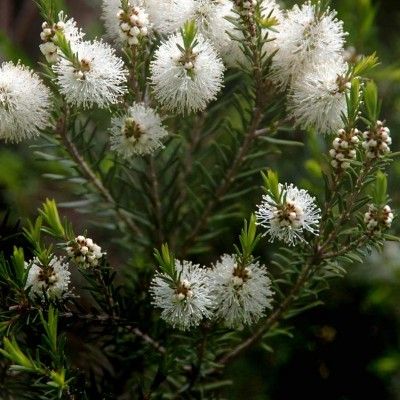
[(22, 362), (49, 9), (54, 226), (353, 103), (65, 47), (18, 263), (380, 189), (365, 65), (271, 184), (372, 103), (166, 261), (189, 32)]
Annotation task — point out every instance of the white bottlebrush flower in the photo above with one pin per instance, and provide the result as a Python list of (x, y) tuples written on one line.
[(138, 132), (24, 103), (186, 82), (289, 220), (306, 37), (210, 17), (127, 27), (97, 76), (167, 16), (52, 279), (84, 252), (242, 295), (186, 303), (66, 26), (318, 99)]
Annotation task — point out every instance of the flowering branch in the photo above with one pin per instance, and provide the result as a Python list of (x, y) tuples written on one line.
[(193, 106), (88, 173)]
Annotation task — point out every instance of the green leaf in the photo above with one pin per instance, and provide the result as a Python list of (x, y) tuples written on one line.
[(13, 352), (166, 260), (248, 239), (18, 262), (50, 214), (49, 9), (371, 101), (189, 32), (271, 183), (50, 327), (380, 190), (366, 64)]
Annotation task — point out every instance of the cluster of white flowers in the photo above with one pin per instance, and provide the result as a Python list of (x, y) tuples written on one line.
[(139, 132), (318, 99), (51, 280), (211, 20), (247, 7), (167, 16), (377, 141), (24, 103), (183, 80), (291, 217), (133, 24), (184, 303), (307, 38), (344, 148), (228, 292), (128, 25), (97, 76), (378, 217), (310, 63), (241, 293), (48, 35), (84, 252)]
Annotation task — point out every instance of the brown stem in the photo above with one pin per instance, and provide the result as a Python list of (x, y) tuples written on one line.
[(351, 246), (91, 177), (345, 217), (155, 194), (107, 293), (227, 181), (104, 318), (272, 319), (146, 338), (303, 277)]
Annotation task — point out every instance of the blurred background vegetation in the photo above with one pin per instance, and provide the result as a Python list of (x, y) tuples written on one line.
[(347, 350)]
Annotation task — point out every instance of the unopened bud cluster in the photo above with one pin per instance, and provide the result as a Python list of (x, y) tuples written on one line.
[(376, 217), (377, 141), (133, 24), (344, 148), (247, 6), (84, 252), (48, 47)]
